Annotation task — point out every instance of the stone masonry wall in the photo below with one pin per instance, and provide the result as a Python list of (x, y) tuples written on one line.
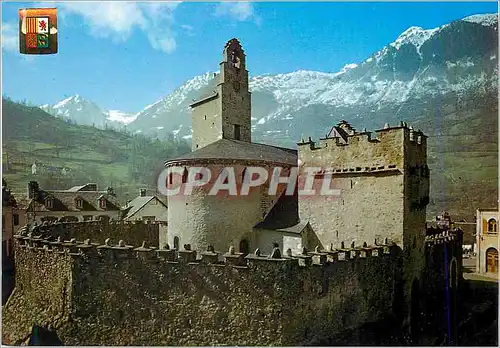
[(369, 173), (42, 295), (369, 207), (207, 123), (121, 296), (221, 220)]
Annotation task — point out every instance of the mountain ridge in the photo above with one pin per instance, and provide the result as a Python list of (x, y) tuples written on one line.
[(171, 114), (441, 80)]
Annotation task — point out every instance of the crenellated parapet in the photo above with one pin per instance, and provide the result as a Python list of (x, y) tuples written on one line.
[(116, 250), (442, 237), (345, 138), (133, 231), (391, 147), (241, 299)]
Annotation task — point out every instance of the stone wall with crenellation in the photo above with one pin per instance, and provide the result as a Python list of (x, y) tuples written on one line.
[(119, 295), (132, 232)]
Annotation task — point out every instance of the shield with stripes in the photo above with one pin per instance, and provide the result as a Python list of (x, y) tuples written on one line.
[(38, 31)]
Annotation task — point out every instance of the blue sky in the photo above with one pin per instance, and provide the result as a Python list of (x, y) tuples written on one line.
[(128, 55)]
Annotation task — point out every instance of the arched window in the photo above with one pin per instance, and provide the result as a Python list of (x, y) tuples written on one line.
[(176, 243), (49, 202), (244, 246), (102, 203), (492, 225), (79, 203), (184, 176)]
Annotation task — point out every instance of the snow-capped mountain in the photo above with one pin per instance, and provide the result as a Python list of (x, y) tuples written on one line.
[(397, 82), (400, 81), (441, 80), (85, 112)]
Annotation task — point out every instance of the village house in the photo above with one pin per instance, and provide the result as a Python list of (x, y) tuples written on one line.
[(79, 203), (146, 208), (487, 241)]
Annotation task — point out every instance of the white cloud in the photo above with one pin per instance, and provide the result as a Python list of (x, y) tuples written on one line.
[(117, 20), (240, 11), (10, 37)]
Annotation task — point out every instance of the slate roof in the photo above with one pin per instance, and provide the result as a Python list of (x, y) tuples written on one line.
[(298, 228), (241, 150), (336, 131), (137, 203), (208, 92), (284, 214), (66, 201)]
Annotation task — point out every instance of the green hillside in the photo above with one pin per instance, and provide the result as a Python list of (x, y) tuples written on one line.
[(462, 153), (122, 160)]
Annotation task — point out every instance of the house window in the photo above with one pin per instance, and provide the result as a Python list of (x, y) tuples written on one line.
[(237, 132), (102, 203), (79, 203), (16, 219), (492, 226), (170, 178), (184, 176), (176, 243), (205, 117), (49, 203)]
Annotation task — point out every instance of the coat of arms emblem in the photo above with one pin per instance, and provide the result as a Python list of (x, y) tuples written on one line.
[(38, 31)]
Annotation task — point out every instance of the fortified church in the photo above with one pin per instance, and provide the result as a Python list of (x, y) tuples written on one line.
[(389, 168)]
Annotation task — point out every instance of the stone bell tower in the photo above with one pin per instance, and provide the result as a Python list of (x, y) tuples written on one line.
[(224, 112), (236, 101)]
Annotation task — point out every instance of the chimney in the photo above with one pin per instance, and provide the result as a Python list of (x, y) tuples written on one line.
[(142, 192), (33, 190)]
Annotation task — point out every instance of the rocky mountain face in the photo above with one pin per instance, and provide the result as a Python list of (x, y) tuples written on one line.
[(441, 80)]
